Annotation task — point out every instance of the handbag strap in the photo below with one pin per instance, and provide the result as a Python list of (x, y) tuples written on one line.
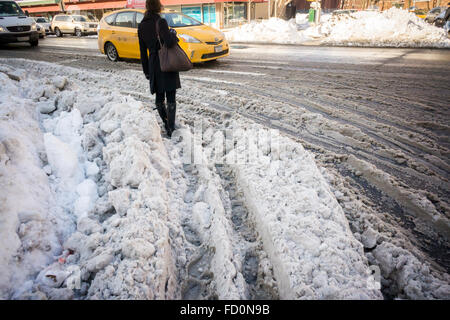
[(157, 31)]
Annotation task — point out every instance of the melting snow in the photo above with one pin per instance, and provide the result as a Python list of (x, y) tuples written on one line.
[(391, 28)]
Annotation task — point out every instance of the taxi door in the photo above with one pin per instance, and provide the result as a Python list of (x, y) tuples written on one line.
[(124, 34), (135, 51)]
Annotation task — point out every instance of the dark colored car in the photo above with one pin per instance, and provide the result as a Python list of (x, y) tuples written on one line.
[(433, 13), (439, 20)]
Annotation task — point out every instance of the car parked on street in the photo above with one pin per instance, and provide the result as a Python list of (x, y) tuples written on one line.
[(439, 20), (40, 30), (77, 25), (15, 25), (433, 13), (420, 13), (343, 12), (118, 38), (45, 23)]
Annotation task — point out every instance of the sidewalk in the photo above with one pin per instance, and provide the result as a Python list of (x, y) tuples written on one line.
[(306, 43)]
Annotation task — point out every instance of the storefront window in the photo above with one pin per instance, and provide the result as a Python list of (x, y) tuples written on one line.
[(235, 13), (209, 13), (194, 12)]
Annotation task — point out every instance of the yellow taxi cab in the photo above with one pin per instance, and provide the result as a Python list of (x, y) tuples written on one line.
[(117, 36), (420, 13)]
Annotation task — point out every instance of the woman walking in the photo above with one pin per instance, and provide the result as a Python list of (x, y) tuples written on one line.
[(164, 84)]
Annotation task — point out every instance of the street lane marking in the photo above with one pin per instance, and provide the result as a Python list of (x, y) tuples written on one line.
[(237, 72)]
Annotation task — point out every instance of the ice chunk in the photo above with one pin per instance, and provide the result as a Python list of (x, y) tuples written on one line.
[(63, 160)]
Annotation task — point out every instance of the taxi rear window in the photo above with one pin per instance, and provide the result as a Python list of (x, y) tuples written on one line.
[(110, 19)]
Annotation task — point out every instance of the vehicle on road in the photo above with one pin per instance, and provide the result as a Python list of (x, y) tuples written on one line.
[(343, 12), (118, 38), (15, 26), (45, 23), (433, 13), (439, 20), (40, 30), (420, 13), (77, 25)]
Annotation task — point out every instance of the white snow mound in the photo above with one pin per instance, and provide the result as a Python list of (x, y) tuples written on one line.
[(390, 28)]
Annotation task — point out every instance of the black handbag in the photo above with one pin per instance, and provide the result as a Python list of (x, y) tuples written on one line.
[(172, 59)]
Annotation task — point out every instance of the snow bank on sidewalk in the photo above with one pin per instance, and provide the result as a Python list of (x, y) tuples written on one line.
[(406, 271), (394, 27), (83, 205), (273, 30), (303, 228), (32, 225), (391, 28)]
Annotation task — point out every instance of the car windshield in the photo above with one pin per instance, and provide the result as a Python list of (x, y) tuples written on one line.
[(41, 20), (9, 9), (176, 20), (80, 18)]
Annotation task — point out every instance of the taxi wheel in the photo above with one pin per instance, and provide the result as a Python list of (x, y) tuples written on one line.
[(78, 32), (58, 32), (111, 52)]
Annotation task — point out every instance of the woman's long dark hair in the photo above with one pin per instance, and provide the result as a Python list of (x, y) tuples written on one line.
[(152, 6)]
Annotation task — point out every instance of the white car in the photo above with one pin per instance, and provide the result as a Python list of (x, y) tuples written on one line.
[(44, 23), (15, 26), (76, 24), (40, 29)]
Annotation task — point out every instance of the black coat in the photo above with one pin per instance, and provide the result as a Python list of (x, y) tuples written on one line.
[(159, 81)]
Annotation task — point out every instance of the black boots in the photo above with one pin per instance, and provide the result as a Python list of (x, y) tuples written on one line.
[(171, 109), (161, 107), (168, 117)]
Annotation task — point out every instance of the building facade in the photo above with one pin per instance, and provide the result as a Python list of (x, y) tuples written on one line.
[(217, 13), (387, 4), (326, 5), (49, 8)]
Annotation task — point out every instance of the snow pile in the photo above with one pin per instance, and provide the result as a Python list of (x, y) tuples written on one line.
[(399, 268), (391, 28), (273, 30), (207, 218), (131, 256), (84, 206), (394, 28), (31, 227), (110, 214), (302, 228), (302, 19), (405, 270)]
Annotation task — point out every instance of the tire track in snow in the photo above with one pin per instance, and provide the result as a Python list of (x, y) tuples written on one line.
[(327, 109), (386, 162), (248, 263), (126, 82), (255, 265)]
